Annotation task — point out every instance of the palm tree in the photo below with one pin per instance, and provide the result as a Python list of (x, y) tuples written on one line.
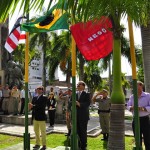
[(60, 55), (92, 76), (145, 32), (115, 9), (41, 40)]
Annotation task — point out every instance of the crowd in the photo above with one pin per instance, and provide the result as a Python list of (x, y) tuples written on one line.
[(40, 103), (12, 101)]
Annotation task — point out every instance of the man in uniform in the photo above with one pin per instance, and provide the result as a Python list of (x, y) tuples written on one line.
[(103, 111), (15, 93), (6, 96), (67, 97)]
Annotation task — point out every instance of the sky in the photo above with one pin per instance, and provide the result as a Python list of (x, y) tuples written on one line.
[(126, 68)]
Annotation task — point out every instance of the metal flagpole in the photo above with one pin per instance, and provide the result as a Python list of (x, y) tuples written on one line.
[(134, 77), (26, 134), (74, 139)]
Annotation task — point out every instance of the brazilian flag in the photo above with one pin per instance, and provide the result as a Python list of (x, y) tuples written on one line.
[(55, 19)]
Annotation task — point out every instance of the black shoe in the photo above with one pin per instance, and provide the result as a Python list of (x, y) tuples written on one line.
[(104, 139), (36, 147), (43, 148), (67, 134)]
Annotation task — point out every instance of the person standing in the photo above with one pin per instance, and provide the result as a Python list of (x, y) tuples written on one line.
[(103, 111), (144, 112), (15, 93), (51, 104), (35, 93), (82, 104), (1, 97), (38, 106), (67, 97), (6, 100), (22, 96)]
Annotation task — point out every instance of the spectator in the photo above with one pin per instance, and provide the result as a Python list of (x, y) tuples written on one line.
[(6, 96), (22, 96), (38, 106), (35, 93), (144, 112), (15, 93), (82, 103), (51, 104), (67, 97), (1, 97), (103, 111)]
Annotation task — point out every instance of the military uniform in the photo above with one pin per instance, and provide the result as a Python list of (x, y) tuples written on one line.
[(15, 93), (6, 100), (104, 115)]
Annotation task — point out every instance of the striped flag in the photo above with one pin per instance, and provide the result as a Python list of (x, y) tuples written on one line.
[(15, 36)]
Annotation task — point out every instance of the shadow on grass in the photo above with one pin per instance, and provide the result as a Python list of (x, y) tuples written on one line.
[(105, 144), (67, 143)]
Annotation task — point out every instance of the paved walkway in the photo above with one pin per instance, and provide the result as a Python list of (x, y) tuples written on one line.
[(93, 130)]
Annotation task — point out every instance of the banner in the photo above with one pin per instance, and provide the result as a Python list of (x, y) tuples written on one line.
[(94, 39)]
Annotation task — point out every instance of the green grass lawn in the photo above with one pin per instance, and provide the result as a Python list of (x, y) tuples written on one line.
[(54, 140)]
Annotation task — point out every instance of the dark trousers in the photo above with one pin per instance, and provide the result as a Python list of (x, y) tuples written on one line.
[(1, 102), (51, 114), (82, 133), (144, 130), (22, 105)]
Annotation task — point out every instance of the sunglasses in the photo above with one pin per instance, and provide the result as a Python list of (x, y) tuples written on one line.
[(40, 88), (79, 84)]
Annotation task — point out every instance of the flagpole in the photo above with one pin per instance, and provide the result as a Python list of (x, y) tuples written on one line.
[(26, 134), (74, 139), (134, 77)]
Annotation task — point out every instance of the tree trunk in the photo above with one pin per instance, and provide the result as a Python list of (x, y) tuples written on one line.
[(116, 135), (116, 139), (44, 72), (68, 75), (81, 68), (110, 77), (145, 32)]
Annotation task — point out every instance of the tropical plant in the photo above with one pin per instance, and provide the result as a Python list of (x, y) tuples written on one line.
[(115, 9), (145, 32), (92, 76), (42, 41), (60, 55)]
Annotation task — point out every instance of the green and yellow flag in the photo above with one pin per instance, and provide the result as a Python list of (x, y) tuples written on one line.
[(55, 19)]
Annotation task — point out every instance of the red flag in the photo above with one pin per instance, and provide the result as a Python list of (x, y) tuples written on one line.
[(14, 36), (94, 39)]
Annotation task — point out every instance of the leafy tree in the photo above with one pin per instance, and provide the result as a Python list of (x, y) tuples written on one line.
[(115, 9), (92, 76), (60, 55), (42, 41)]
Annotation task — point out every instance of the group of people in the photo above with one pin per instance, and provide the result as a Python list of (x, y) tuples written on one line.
[(10, 99), (143, 109), (40, 102), (38, 107)]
